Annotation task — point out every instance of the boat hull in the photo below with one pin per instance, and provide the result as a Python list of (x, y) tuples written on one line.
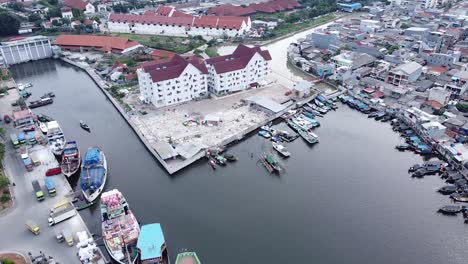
[(90, 197)]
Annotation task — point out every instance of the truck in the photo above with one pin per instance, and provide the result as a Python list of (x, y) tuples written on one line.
[(28, 164), (38, 190), (21, 137), (33, 227), (68, 237), (62, 213), (49, 183), (14, 140)]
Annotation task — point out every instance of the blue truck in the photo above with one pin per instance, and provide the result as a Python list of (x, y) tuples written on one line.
[(50, 186)]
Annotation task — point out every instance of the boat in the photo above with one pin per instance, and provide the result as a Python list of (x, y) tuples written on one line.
[(264, 134), (281, 149), (42, 102), (270, 163), (451, 209), (293, 125), (151, 245), (55, 138), (310, 137), (71, 159), (43, 127), (212, 163), (187, 258), (448, 189), (48, 95), (93, 173), (120, 228), (44, 118), (230, 157), (460, 197), (84, 126), (403, 147), (219, 159), (86, 205)]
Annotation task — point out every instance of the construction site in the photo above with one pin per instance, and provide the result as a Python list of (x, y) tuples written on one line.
[(181, 133)]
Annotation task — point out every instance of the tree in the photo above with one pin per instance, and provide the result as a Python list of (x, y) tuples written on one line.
[(7, 261), (54, 12), (9, 24), (34, 17), (53, 2), (404, 26), (17, 6), (3, 199), (56, 23), (65, 21), (76, 12), (4, 182)]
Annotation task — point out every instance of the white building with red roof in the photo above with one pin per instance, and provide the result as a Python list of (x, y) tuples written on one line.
[(244, 68), (172, 82), (170, 22), (102, 43)]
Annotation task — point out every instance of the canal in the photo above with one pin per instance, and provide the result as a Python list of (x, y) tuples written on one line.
[(347, 199)]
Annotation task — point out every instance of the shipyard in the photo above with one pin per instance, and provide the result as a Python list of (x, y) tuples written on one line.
[(172, 132)]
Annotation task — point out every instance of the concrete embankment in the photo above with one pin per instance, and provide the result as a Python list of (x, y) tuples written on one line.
[(174, 167)]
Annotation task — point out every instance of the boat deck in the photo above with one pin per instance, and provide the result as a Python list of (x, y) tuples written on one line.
[(119, 231)]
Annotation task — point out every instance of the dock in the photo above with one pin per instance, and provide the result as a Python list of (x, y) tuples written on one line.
[(161, 150)]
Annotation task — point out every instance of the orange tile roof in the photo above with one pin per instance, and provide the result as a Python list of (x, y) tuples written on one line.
[(102, 42)]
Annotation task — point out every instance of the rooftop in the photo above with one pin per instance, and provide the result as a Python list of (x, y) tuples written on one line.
[(103, 42), (150, 241), (237, 60), (167, 70)]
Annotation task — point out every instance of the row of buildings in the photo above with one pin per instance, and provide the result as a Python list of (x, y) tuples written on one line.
[(183, 79), (171, 22)]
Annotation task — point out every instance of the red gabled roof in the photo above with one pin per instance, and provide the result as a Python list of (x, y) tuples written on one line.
[(230, 10), (101, 42), (172, 69), (164, 10), (178, 13), (438, 69), (162, 55), (266, 7), (186, 21), (434, 104), (77, 4), (237, 60), (88, 22)]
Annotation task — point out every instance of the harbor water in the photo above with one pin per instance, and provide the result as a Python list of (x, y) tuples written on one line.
[(348, 199)]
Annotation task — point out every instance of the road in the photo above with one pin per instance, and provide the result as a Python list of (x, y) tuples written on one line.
[(14, 234)]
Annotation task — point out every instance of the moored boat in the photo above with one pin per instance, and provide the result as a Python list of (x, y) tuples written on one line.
[(120, 229), (187, 258), (310, 137), (451, 209), (71, 158), (55, 137), (93, 173), (84, 126), (281, 149), (230, 157), (43, 127), (270, 163), (403, 147), (448, 189), (264, 134), (152, 245)]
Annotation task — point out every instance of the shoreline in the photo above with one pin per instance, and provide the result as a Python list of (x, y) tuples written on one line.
[(171, 168)]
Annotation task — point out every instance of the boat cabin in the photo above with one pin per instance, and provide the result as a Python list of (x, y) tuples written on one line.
[(23, 118), (151, 245)]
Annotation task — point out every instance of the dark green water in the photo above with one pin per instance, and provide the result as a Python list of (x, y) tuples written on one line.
[(348, 199)]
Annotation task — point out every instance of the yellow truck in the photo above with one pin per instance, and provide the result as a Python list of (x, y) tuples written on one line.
[(67, 237), (33, 227)]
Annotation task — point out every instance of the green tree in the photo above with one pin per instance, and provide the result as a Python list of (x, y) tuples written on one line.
[(4, 182), (54, 12), (462, 107), (34, 17), (65, 21), (56, 23), (404, 26), (53, 2), (9, 24), (76, 12), (7, 261), (17, 6), (3, 199)]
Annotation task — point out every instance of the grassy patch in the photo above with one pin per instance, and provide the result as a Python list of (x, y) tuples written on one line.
[(211, 52), (174, 44), (286, 28)]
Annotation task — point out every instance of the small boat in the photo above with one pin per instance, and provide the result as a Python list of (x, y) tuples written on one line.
[(463, 197), (270, 163), (230, 157), (308, 136), (43, 127), (403, 147), (55, 137), (28, 85), (151, 245), (281, 149), (84, 126), (85, 206), (48, 95), (451, 209), (187, 258), (212, 163), (71, 158), (93, 173), (448, 189), (264, 134), (293, 125), (120, 228), (44, 118), (220, 159)]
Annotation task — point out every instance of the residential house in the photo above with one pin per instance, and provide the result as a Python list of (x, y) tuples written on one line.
[(404, 74), (369, 26), (244, 68), (23, 118), (440, 59), (456, 87), (176, 81), (439, 95), (66, 12), (353, 60), (89, 9)]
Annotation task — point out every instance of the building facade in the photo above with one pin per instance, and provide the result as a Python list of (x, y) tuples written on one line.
[(186, 25), (244, 68), (174, 82), (25, 49)]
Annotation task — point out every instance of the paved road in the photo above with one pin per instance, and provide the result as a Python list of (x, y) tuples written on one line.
[(14, 234)]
